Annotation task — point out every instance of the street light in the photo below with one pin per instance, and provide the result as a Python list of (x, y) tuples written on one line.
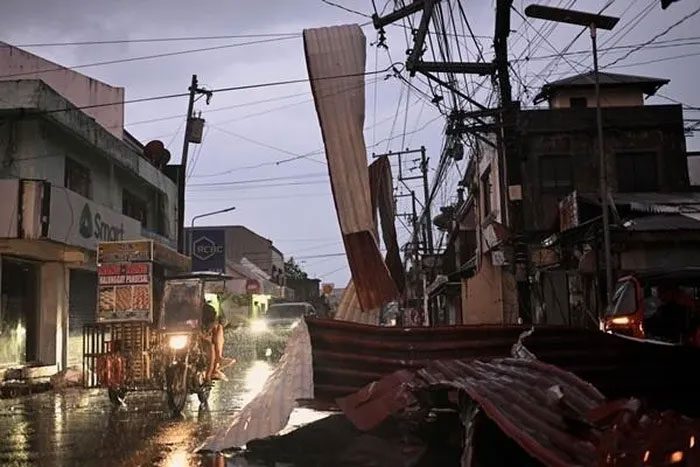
[(593, 22), (207, 214)]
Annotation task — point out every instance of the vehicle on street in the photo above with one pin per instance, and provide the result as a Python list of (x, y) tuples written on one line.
[(282, 316), (657, 305), (135, 345)]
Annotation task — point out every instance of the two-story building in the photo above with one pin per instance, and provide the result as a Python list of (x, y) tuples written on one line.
[(70, 176), (557, 149)]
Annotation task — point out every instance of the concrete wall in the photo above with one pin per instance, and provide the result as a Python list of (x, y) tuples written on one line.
[(80, 90), (53, 314), (244, 243), (483, 300), (37, 149), (571, 132), (609, 97)]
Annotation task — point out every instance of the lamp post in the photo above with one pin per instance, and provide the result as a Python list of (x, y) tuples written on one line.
[(593, 22), (206, 214)]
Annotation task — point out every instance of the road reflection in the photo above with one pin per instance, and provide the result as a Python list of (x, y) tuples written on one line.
[(182, 455), (79, 427)]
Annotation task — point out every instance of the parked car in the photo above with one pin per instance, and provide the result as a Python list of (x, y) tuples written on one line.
[(657, 305)]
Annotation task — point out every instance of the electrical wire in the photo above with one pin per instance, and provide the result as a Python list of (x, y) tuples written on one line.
[(243, 87), (662, 33), (144, 57), (151, 39), (259, 180), (349, 10), (265, 186), (262, 144), (657, 60)]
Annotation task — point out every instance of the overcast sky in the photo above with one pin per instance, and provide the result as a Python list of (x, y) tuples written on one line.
[(295, 208)]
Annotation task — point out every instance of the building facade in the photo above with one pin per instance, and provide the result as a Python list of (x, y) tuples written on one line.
[(70, 177), (519, 270)]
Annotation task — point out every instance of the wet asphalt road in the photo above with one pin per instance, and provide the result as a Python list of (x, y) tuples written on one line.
[(79, 427)]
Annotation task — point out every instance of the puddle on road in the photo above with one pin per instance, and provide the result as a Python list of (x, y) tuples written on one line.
[(80, 426)]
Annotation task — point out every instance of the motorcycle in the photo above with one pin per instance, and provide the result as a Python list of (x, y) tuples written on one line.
[(185, 367)]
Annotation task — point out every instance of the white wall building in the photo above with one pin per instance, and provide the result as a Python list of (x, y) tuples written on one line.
[(69, 177)]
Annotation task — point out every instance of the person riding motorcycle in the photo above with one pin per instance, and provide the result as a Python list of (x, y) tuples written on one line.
[(213, 339)]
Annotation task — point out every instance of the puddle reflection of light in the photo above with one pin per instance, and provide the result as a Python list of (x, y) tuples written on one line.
[(255, 378)]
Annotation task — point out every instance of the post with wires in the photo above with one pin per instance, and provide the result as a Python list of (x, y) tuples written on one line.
[(191, 136), (593, 22)]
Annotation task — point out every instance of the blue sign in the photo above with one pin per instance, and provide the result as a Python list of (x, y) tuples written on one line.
[(208, 250)]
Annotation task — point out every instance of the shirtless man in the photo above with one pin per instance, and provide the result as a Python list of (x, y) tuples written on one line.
[(213, 334)]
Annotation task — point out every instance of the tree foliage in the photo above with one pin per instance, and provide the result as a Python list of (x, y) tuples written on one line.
[(293, 270)]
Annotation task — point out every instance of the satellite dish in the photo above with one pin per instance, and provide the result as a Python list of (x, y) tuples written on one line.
[(156, 153)]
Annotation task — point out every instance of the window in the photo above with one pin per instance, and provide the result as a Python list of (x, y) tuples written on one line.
[(486, 192), (556, 173), (77, 178), (134, 207), (578, 102), (636, 172)]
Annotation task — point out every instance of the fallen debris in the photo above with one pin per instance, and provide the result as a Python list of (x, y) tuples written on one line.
[(524, 412), (69, 377), (269, 411)]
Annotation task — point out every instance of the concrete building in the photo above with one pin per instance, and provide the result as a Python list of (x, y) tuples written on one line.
[(69, 177), (515, 272), (241, 253)]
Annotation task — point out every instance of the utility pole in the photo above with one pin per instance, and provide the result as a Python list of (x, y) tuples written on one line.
[(426, 195), (194, 90), (593, 22), (603, 175)]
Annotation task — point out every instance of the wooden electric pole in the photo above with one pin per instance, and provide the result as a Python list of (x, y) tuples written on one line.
[(182, 176)]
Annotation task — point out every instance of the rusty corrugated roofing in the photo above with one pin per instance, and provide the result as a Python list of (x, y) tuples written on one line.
[(531, 402), (348, 356), (552, 415), (335, 59)]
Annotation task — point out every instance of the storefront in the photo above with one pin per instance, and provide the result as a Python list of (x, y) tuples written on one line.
[(82, 303), (19, 311), (48, 274)]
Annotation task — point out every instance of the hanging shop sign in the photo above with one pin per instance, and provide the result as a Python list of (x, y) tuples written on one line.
[(125, 292)]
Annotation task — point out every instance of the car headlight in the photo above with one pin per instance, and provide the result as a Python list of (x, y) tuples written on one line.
[(258, 326), (294, 325), (178, 341)]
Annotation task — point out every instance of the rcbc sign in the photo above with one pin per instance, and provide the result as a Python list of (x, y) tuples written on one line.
[(208, 250)]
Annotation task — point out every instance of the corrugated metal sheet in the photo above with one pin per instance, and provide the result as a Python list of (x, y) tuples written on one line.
[(349, 308), (661, 375), (269, 411), (348, 356), (552, 415), (531, 402), (335, 59), (381, 183), (662, 222)]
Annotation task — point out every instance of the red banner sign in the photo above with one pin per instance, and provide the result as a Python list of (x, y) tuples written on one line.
[(252, 286)]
